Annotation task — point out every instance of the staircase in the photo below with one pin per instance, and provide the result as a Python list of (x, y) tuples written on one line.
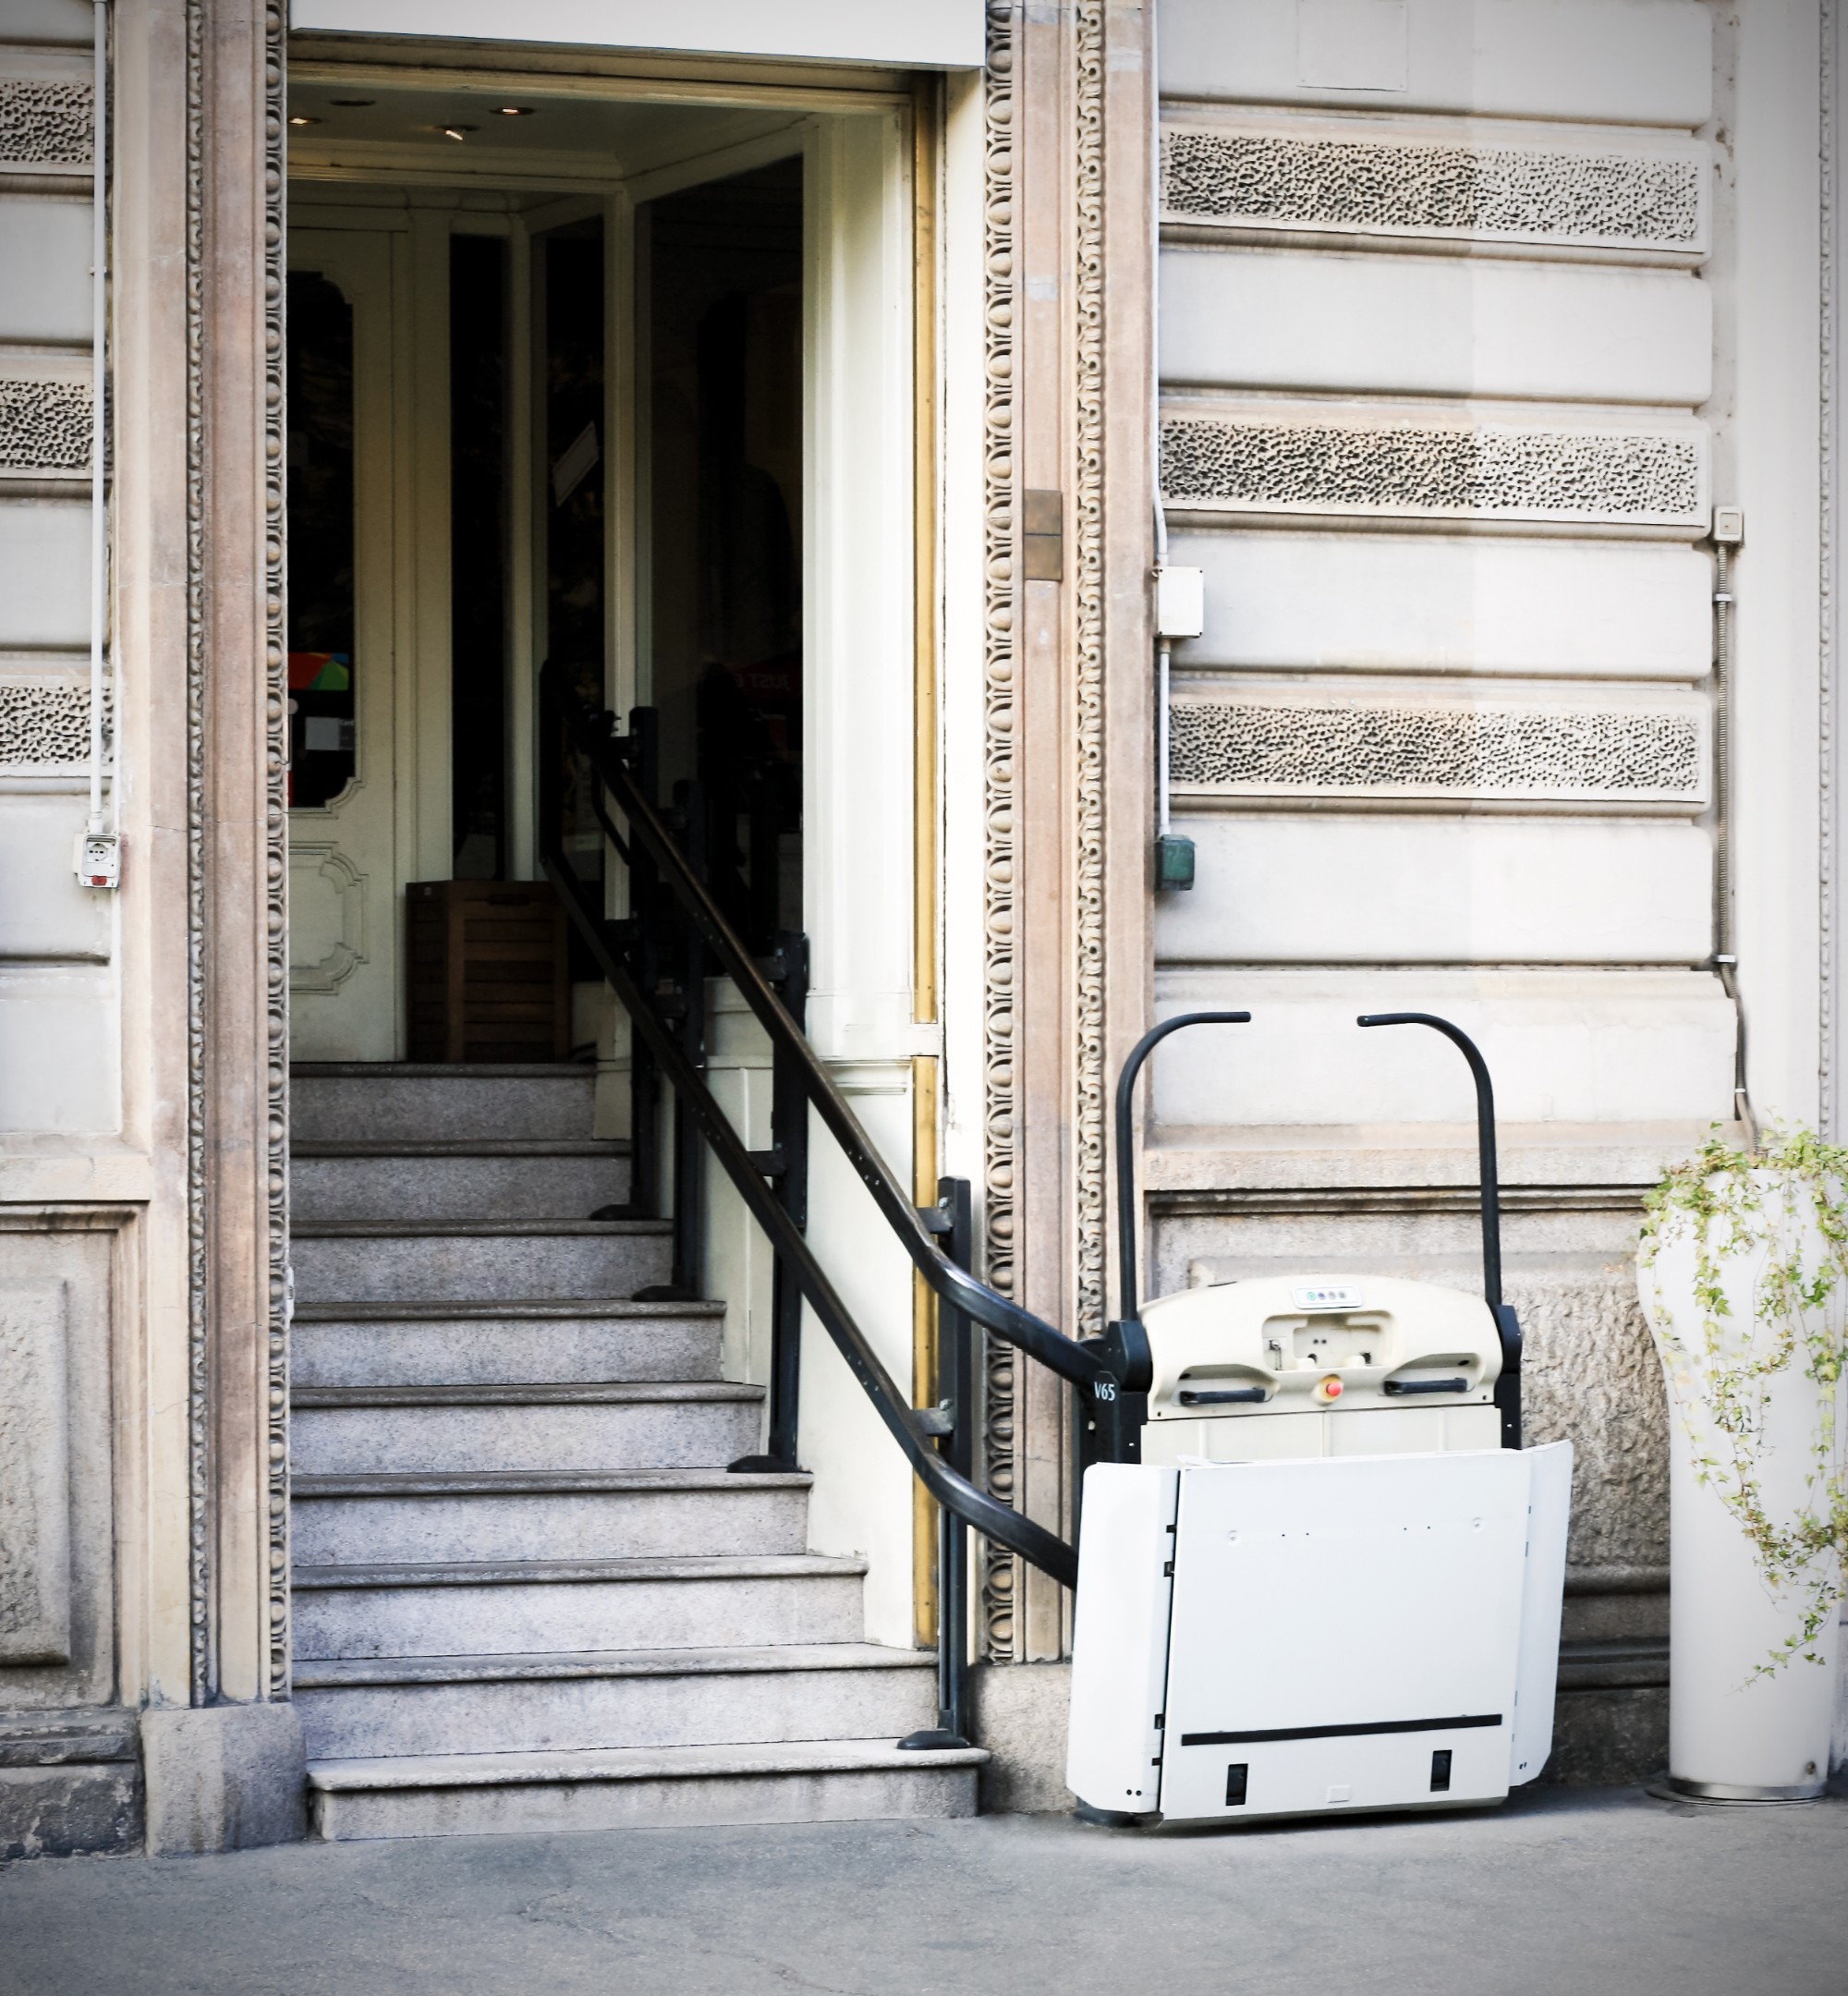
[(526, 1593)]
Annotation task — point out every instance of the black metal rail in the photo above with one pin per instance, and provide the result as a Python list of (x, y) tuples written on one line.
[(1507, 1326), (1097, 1368)]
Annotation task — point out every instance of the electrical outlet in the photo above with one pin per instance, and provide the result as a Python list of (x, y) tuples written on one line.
[(98, 859)]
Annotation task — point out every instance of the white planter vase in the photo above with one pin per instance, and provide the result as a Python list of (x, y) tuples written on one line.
[(1734, 1733)]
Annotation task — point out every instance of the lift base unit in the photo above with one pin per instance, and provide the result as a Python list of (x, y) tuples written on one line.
[(1321, 1634)]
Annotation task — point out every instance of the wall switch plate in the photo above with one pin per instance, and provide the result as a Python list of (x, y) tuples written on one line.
[(98, 859), (1729, 525)]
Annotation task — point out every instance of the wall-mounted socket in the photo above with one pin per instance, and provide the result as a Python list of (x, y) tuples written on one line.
[(98, 859)]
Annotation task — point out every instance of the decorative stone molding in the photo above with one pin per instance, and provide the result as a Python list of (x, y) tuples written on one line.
[(237, 874), (199, 1298), (1256, 748), (44, 426), (1352, 184), (1256, 462), (44, 724), (276, 670), (47, 122), (1001, 594), (1089, 1150)]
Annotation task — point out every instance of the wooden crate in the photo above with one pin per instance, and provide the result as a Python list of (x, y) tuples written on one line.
[(487, 971)]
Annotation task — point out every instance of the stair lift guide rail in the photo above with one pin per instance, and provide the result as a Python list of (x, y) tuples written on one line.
[(1097, 1368), (1508, 1385)]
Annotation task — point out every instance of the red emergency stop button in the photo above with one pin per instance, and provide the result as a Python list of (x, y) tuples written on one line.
[(1330, 1388)]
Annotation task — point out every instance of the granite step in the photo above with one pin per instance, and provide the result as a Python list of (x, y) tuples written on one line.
[(375, 1100), (529, 1341), (512, 1515), (476, 1260), (525, 1179), (357, 1710), (483, 1607), (788, 1782), (686, 1424)]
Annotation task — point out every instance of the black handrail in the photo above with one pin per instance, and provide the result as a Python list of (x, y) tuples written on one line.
[(1095, 1367), (1507, 1326)]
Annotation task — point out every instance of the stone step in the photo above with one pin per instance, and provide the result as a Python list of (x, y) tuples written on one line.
[(613, 1698), (797, 1781), (476, 1260), (694, 1424), (534, 1178), (513, 1514), (478, 1609), (375, 1100), (529, 1342)]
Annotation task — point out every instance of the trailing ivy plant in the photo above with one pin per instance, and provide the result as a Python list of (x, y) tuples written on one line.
[(1729, 1370)]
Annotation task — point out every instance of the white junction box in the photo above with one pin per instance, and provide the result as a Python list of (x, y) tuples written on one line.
[(1325, 1632)]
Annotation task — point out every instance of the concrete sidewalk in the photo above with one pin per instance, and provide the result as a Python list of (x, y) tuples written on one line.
[(1565, 1889)]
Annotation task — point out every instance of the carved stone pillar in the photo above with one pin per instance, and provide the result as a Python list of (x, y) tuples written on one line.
[(1069, 714), (227, 1770)]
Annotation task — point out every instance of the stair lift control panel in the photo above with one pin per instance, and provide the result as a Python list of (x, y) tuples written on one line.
[(1291, 1366), (1321, 1573)]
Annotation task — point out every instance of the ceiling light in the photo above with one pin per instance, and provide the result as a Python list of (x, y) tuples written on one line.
[(457, 132), (515, 109), (297, 119)]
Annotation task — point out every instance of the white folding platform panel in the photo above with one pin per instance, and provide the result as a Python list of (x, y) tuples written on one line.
[(1279, 1638)]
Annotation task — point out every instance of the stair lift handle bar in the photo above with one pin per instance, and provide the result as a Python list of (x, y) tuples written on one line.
[(1129, 1300), (1485, 1140)]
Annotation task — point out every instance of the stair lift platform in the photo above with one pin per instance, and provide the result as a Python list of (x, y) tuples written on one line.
[(1324, 1577)]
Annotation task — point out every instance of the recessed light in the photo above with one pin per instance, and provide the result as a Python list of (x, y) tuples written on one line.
[(352, 103), (299, 120), (515, 109), (457, 132)]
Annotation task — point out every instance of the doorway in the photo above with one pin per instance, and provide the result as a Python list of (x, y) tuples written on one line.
[(525, 427)]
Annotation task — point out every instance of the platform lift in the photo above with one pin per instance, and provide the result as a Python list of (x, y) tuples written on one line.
[(1317, 1572)]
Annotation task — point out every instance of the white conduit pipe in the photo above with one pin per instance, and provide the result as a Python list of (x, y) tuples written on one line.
[(1163, 820), (99, 539)]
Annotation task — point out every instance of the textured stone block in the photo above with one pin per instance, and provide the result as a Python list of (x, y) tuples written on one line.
[(71, 1810), (34, 1475), (225, 1777), (1608, 1738), (1020, 1719)]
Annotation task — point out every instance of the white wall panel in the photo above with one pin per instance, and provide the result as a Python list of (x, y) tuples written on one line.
[(44, 252), (1390, 889), (1563, 1046), (58, 1057), (1391, 602), (43, 912), (926, 33), (48, 20), (1433, 325), (44, 573), (1644, 62)]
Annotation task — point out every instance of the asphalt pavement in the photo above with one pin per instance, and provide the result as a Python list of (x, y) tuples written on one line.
[(1563, 1890)]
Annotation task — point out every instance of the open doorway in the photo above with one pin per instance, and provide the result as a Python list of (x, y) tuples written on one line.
[(528, 427), (721, 297)]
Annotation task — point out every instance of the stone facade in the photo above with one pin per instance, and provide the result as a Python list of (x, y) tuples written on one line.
[(1439, 369)]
